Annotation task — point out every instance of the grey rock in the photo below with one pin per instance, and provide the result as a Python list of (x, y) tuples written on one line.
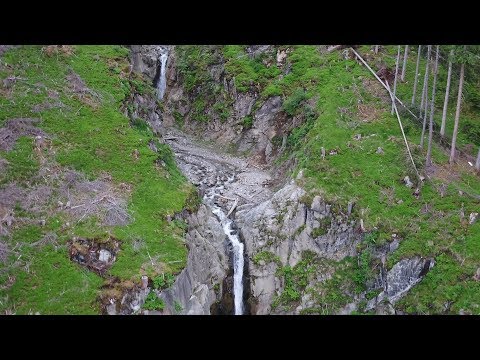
[(282, 225), (104, 255), (401, 278)]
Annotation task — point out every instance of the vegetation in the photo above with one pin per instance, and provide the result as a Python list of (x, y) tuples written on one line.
[(163, 281), (153, 302), (90, 134)]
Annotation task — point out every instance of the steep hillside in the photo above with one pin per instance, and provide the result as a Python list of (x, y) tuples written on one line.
[(324, 113), (310, 202), (78, 177)]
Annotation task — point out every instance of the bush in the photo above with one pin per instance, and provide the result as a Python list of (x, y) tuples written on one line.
[(292, 103), (247, 122), (153, 302), (163, 281)]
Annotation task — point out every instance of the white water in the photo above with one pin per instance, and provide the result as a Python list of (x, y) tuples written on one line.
[(236, 245), (237, 259), (162, 83)]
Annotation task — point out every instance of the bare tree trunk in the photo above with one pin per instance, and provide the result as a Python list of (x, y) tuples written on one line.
[(447, 91), (416, 74), (425, 79), (395, 81), (457, 114), (432, 110), (376, 49), (404, 68), (477, 164), (425, 96)]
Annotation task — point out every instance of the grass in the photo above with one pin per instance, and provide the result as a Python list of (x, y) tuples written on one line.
[(336, 99), (373, 180), (94, 139), (469, 130)]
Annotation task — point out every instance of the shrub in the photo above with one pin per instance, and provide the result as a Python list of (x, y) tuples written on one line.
[(247, 122), (153, 302), (163, 281), (292, 103)]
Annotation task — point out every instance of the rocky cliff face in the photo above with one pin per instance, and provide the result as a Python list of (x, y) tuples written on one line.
[(282, 231), (199, 285), (243, 122), (296, 246), (286, 227)]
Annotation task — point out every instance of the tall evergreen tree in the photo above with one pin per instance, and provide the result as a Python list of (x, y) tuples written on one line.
[(404, 67), (425, 96), (459, 104), (432, 109), (425, 79), (416, 74), (447, 92), (395, 80)]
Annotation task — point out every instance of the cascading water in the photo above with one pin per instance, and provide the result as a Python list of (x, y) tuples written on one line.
[(237, 259), (162, 82), (237, 246)]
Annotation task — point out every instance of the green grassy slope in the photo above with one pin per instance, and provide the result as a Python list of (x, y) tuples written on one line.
[(91, 135), (349, 102)]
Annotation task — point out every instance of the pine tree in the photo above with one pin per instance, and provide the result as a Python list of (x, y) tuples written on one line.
[(432, 109), (425, 80), (405, 58), (447, 91), (457, 113), (395, 81), (425, 96), (416, 74)]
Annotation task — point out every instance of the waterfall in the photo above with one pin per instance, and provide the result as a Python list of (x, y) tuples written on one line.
[(237, 259), (237, 245), (162, 82)]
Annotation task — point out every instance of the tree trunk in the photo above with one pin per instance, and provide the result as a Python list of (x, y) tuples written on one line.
[(395, 81), (457, 114), (404, 68), (432, 110), (425, 80), (416, 74), (376, 49), (447, 91), (425, 96), (477, 164)]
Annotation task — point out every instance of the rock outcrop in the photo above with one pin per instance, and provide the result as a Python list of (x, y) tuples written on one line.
[(400, 279), (199, 285), (286, 227)]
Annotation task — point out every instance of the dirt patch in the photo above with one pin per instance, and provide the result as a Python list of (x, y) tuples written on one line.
[(100, 198), (97, 255), (3, 252), (37, 198), (5, 48), (78, 87), (3, 165), (15, 128), (52, 50), (375, 88), (368, 113), (47, 105), (10, 195)]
